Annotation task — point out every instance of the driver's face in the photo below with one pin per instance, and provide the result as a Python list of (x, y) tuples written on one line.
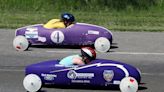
[(85, 59), (66, 23)]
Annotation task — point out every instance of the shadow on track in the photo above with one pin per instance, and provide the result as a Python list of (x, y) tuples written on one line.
[(86, 87), (113, 46)]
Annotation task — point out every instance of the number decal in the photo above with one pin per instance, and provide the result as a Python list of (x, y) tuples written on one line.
[(57, 36)]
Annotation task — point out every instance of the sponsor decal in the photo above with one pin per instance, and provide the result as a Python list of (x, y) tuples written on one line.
[(42, 39), (117, 82), (108, 75), (96, 26), (48, 77), (80, 81), (93, 32), (73, 75), (31, 32), (57, 36)]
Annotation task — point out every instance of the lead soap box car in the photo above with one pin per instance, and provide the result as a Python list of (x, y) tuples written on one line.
[(99, 72), (78, 34)]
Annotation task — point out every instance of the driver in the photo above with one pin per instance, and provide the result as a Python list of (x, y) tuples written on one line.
[(66, 20), (87, 55)]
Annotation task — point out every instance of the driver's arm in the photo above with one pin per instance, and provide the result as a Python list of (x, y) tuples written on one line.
[(78, 61)]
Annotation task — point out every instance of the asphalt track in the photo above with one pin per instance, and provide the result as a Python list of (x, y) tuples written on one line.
[(144, 50)]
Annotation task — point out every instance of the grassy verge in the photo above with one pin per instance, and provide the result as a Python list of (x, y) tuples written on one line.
[(127, 15), (117, 21)]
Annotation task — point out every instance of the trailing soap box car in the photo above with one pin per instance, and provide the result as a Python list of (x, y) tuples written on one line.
[(99, 72), (78, 34)]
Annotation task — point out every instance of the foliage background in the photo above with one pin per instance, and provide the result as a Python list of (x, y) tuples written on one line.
[(82, 5), (122, 15)]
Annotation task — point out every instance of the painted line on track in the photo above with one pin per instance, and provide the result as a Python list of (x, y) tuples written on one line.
[(13, 70), (121, 53), (137, 53), (152, 74)]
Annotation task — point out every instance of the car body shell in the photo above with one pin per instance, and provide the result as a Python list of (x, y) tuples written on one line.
[(77, 34), (99, 72)]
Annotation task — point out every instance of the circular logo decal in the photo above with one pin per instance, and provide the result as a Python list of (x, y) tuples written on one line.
[(57, 36), (71, 74)]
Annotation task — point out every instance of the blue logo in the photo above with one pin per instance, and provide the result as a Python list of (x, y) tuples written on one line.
[(108, 75)]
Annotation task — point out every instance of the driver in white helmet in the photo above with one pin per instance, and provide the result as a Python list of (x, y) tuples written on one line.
[(87, 55)]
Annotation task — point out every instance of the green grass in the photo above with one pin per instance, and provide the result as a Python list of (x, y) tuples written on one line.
[(89, 5), (117, 21), (130, 15)]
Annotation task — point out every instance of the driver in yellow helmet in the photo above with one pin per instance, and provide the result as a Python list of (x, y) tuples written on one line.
[(66, 20)]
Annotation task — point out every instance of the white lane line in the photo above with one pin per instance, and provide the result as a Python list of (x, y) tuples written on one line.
[(121, 53), (137, 53), (14, 70), (152, 74)]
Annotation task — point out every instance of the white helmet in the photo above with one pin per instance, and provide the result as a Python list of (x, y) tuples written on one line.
[(89, 53)]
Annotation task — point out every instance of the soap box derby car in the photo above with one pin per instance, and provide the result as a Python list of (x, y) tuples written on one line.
[(78, 34), (99, 72)]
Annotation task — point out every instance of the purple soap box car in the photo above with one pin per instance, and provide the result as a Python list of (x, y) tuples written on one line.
[(79, 34), (99, 72)]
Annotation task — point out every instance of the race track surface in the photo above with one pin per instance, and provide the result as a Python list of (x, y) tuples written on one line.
[(144, 50)]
